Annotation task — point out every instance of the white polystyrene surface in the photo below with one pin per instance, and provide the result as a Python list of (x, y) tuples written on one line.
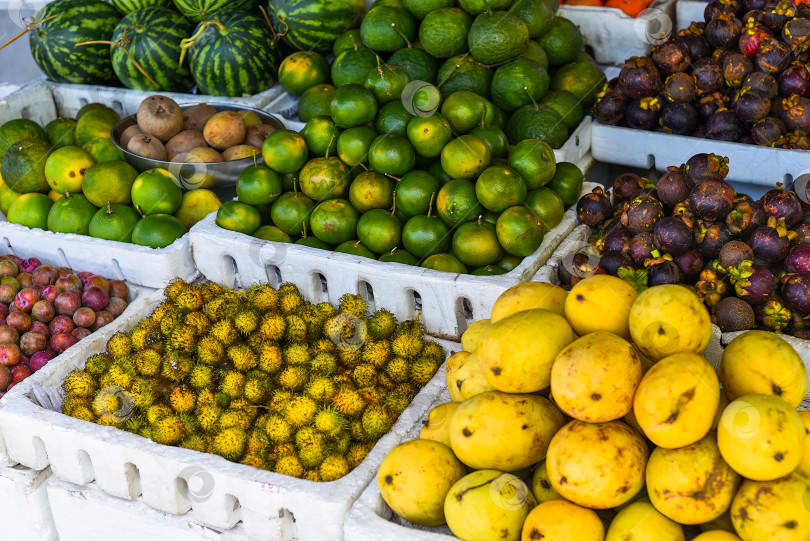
[(25, 512), (689, 11)]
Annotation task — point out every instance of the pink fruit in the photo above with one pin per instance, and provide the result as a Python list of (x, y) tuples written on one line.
[(95, 297), (68, 282), (31, 342), (84, 317), (44, 275), (61, 341), (37, 361), (49, 293), (61, 324), (9, 354), (8, 268), (102, 318), (43, 311), (7, 294), (119, 289), (100, 281), (84, 276), (3, 310), (81, 332), (38, 290), (24, 279), (13, 308), (9, 335), (30, 264), (68, 302), (19, 320), (116, 306), (41, 327), (19, 372), (5, 377), (25, 299), (24, 359)]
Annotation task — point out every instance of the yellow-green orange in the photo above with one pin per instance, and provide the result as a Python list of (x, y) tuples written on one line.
[(65, 168), (238, 216), (157, 231), (156, 191)]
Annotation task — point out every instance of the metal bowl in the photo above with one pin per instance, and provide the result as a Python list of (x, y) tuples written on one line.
[(196, 175)]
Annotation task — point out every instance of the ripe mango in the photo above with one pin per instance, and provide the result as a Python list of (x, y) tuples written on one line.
[(472, 336), (639, 521), (486, 505), (468, 380), (693, 484), (677, 399), (669, 319), (437, 425), (561, 519), (761, 437), (541, 485), (529, 296), (595, 377), (772, 510), (452, 364), (503, 431), (804, 465), (414, 479), (760, 362), (597, 465), (517, 352), (600, 303), (717, 535)]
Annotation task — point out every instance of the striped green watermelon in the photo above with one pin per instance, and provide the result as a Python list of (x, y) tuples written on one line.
[(232, 53), (154, 36), (128, 6), (53, 43), (197, 10), (314, 25)]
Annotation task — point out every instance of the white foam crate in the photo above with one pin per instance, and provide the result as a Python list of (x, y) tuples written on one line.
[(644, 149), (269, 506), (615, 36), (25, 512), (689, 11)]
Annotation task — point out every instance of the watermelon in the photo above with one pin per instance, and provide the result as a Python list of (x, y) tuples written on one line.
[(128, 6), (232, 53), (53, 43), (314, 25), (197, 10), (154, 36)]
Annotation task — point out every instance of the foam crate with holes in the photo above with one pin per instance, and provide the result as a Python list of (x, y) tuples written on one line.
[(26, 512), (614, 36), (689, 11), (269, 506), (447, 301)]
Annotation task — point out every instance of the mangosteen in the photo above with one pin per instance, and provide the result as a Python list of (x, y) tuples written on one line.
[(678, 118), (797, 140), (712, 199), (798, 259), (777, 13), (710, 287), (594, 208), (749, 5), (797, 113), (723, 31), (626, 186), (716, 7), (664, 273), (643, 114), (708, 104), (762, 82), (796, 33), (752, 37), (708, 75), (698, 46), (691, 263), (746, 216), (774, 56), (734, 253), (618, 239), (768, 131), (641, 248), (724, 126), (704, 166), (772, 314), (609, 109), (770, 242), (753, 283), (672, 187), (680, 86), (734, 314), (671, 56), (672, 236), (736, 67), (612, 260), (752, 106), (642, 213), (796, 293), (802, 234), (794, 80), (782, 204), (710, 237), (639, 78)]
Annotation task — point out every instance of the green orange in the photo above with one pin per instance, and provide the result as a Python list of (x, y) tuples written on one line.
[(71, 214), (313, 242), (324, 178), (257, 185), (457, 203), (499, 188), (379, 230), (535, 161), (463, 110), (155, 191), (355, 247), (334, 221), (103, 150), (393, 119), (509, 262), (158, 231), (567, 182), (476, 244), (291, 212), (429, 134), (240, 217), (547, 205), (495, 139), (391, 155), (425, 235), (65, 168), (353, 145), (414, 191), (353, 105), (489, 270), (398, 255), (315, 101), (30, 210), (387, 82), (445, 263), (114, 222), (272, 234), (520, 230), (196, 205), (284, 151), (466, 157), (371, 190), (302, 70), (321, 136)]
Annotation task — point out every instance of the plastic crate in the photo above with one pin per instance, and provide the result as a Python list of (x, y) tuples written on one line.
[(26, 511)]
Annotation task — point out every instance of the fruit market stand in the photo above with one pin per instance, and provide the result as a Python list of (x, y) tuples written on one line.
[(405, 269)]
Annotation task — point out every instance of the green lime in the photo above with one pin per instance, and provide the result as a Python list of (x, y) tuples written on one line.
[(86, 108), (23, 166), (439, 174), (285, 151), (30, 210), (379, 230), (154, 191), (321, 136), (466, 157), (495, 139), (535, 52), (585, 58), (509, 262), (535, 161), (518, 83), (352, 65), (413, 193), (65, 168), (353, 145), (257, 185), (398, 255), (547, 205), (350, 39), (391, 155), (386, 28), (567, 182), (71, 214), (475, 7), (537, 122), (520, 230), (334, 221), (537, 14), (568, 105), (353, 105), (489, 270), (371, 190), (387, 82), (315, 101), (95, 124), (271, 233), (239, 217), (61, 132), (443, 33), (476, 244), (19, 129), (456, 203), (7, 197), (157, 231), (104, 150), (291, 212), (420, 8), (355, 247), (444, 263), (499, 188), (463, 110), (419, 65), (425, 235), (429, 134), (463, 72), (497, 37), (393, 119), (562, 42), (582, 79), (313, 242), (289, 182), (114, 222), (324, 178), (302, 70)]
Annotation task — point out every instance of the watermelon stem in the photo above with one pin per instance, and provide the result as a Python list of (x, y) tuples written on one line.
[(29, 26), (186, 43), (120, 43), (276, 36)]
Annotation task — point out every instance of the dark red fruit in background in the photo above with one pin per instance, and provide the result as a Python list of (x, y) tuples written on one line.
[(723, 31), (84, 317), (10, 354), (83, 276), (794, 80), (764, 83), (672, 187), (798, 259), (609, 109), (116, 306), (768, 131), (691, 263), (19, 320), (752, 106), (678, 118), (41, 328), (102, 318), (796, 293), (96, 298), (44, 275), (680, 87), (61, 341), (80, 333), (43, 311), (61, 324), (639, 78), (30, 264), (724, 126), (119, 289), (19, 372), (68, 302), (782, 204), (32, 341), (777, 13), (709, 104), (643, 114), (39, 360), (708, 75)]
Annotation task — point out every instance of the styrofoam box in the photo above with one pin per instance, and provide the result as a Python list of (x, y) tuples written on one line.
[(269, 506), (689, 11), (615, 36), (748, 163), (25, 512)]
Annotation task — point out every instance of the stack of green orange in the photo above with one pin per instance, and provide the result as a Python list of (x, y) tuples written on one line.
[(70, 178)]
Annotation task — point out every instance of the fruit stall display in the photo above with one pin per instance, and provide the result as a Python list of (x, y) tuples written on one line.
[(614, 423)]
